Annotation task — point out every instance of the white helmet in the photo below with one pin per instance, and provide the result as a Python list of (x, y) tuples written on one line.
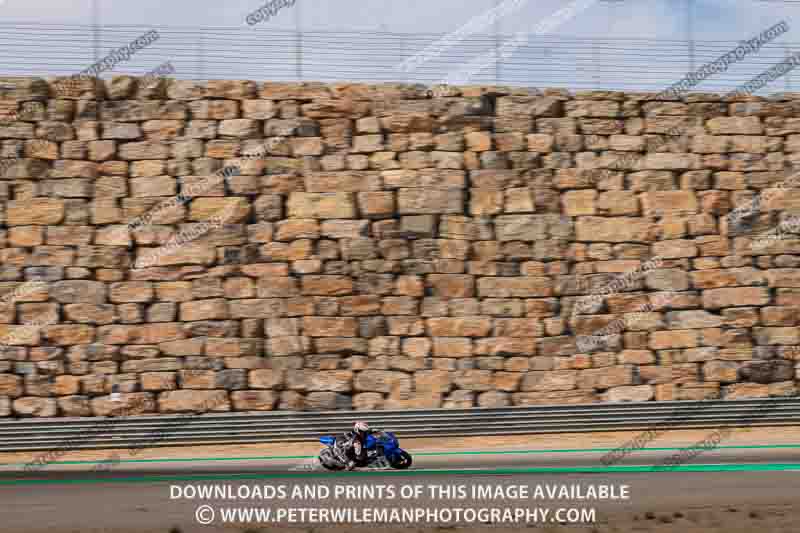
[(361, 427)]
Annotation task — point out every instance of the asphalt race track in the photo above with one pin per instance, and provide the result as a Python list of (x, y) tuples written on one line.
[(742, 481)]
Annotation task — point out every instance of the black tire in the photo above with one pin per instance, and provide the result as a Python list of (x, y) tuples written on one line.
[(327, 460), (401, 460)]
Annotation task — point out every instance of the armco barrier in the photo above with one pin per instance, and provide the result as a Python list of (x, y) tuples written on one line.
[(283, 426)]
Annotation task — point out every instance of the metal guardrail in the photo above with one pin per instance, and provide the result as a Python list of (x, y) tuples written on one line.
[(288, 426)]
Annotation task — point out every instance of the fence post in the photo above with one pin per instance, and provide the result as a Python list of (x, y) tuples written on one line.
[(690, 30), (201, 59), (498, 59), (298, 51), (298, 41)]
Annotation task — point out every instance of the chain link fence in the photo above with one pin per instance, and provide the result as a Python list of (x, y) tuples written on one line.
[(264, 53)]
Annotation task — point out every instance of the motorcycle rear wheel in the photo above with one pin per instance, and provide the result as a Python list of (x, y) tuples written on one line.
[(328, 462), (401, 460)]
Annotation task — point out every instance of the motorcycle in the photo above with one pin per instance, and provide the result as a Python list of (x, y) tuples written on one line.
[(382, 450)]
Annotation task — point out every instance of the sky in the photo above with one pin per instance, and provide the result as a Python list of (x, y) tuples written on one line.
[(613, 44)]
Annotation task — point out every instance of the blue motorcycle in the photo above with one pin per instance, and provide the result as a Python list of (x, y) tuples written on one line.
[(382, 449)]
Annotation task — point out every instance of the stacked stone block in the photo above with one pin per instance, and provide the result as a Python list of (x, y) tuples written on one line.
[(388, 250)]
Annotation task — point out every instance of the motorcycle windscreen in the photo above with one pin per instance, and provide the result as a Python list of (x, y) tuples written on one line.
[(327, 440)]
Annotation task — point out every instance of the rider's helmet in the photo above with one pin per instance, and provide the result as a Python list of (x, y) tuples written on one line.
[(361, 427)]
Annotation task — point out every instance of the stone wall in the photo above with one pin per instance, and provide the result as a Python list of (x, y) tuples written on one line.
[(235, 245)]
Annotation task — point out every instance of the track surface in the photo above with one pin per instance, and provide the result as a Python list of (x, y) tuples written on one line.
[(749, 457), (136, 496)]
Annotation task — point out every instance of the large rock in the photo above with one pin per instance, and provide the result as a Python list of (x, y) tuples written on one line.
[(727, 277), (127, 404), (265, 378), (11, 385), (322, 205), (193, 401), (329, 327), (556, 380), (606, 378), (475, 380), (669, 203), (452, 285), (416, 201), (494, 399), (433, 381), (353, 181), (327, 401), (388, 382), (415, 401), (330, 380), (777, 335), (633, 393), (31, 406), (612, 229), (553, 398), (459, 399), (771, 371), (459, 327), (75, 405), (79, 291), (722, 371), (735, 297), (693, 319), (532, 227), (735, 126), (738, 391), (665, 340), (250, 400), (36, 211), (784, 277), (514, 287), (367, 401)]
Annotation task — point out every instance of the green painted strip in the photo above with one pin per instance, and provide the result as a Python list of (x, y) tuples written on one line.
[(602, 450), (766, 467), (420, 454)]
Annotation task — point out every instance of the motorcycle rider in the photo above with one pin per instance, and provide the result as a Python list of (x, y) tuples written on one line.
[(357, 443)]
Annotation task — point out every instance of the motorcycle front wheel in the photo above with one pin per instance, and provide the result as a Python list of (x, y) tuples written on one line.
[(401, 460)]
